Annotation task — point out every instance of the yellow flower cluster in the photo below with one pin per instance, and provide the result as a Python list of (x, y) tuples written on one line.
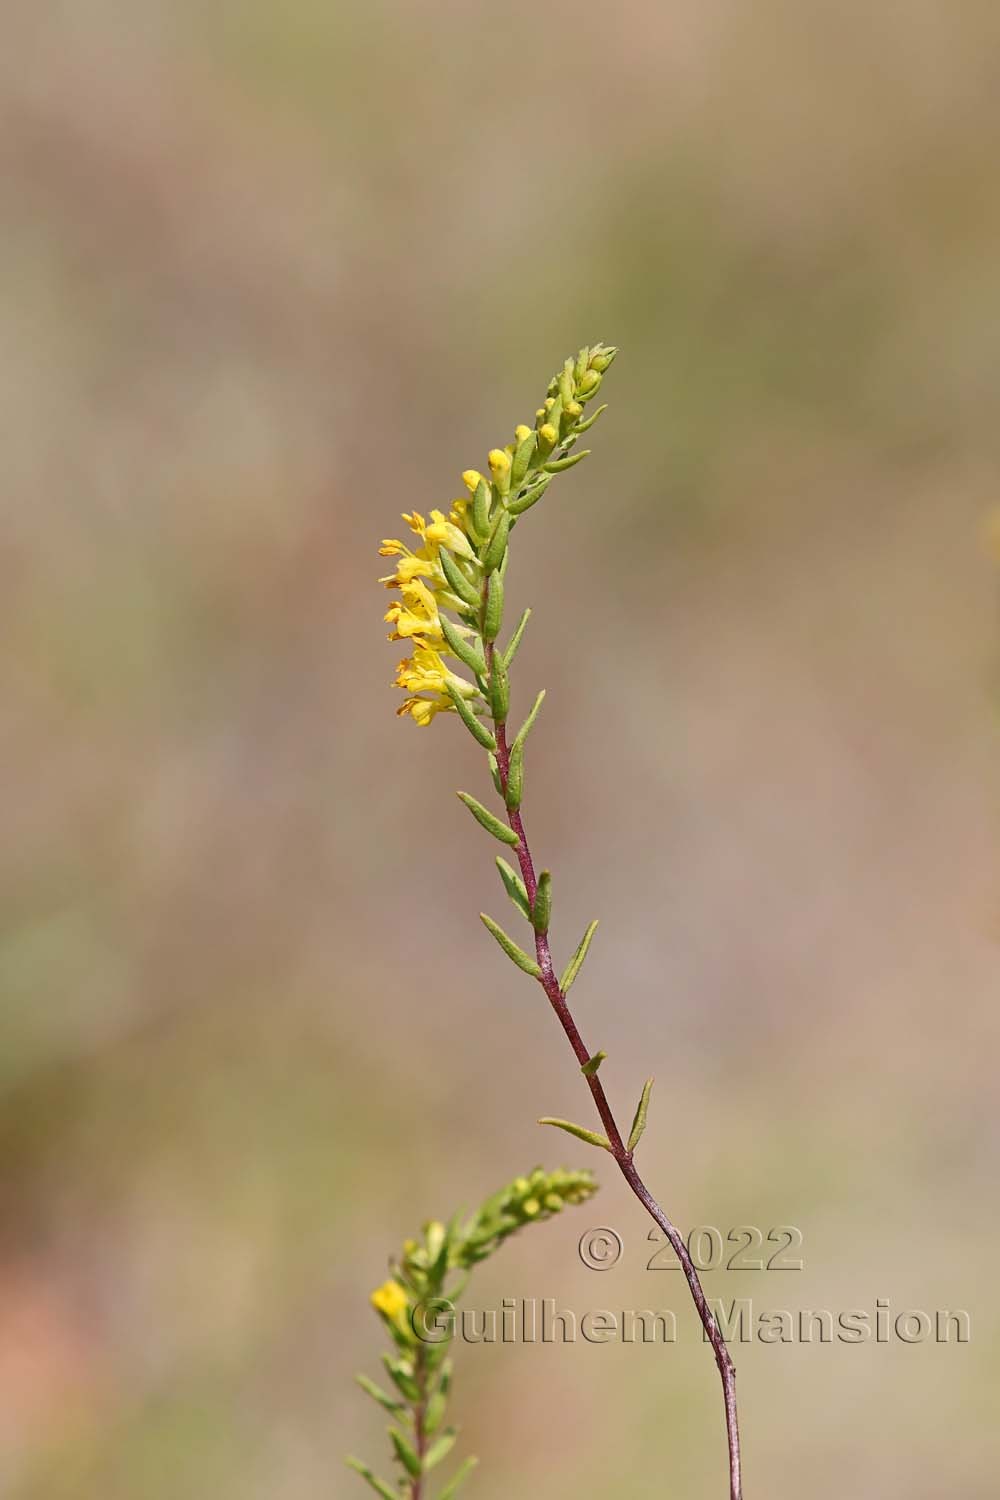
[(416, 617), (446, 567)]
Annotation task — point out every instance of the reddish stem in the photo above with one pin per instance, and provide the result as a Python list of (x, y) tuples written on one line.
[(619, 1150)]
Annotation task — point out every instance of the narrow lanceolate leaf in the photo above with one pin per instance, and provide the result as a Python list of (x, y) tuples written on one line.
[(496, 547), (495, 774), (514, 886), (451, 1489), (493, 611), (478, 730), (580, 1131), (457, 580), (525, 729), (523, 454), (576, 962), (530, 497), (440, 1450), (592, 1064), (468, 649), (481, 510), (560, 465), (378, 1485), (541, 911), (485, 818), (403, 1381), (639, 1123), (585, 426), (514, 953), (499, 691), (377, 1394), (436, 1408), (515, 777), (411, 1463), (515, 639)]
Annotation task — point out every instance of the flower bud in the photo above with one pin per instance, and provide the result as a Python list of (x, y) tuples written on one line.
[(548, 436), (472, 478), (601, 359), (500, 469)]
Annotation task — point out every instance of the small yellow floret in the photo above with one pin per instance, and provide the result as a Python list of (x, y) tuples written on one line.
[(548, 433), (422, 710), (472, 479), (390, 1300), (521, 432), (499, 462)]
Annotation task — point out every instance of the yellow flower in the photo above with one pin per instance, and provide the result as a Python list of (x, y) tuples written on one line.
[(472, 479), (422, 710), (417, 615), (390, 1300), (499, 462), (521, 432), (425, 672), (442, 533)]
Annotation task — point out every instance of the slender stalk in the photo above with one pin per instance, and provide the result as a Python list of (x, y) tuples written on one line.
[(621, 1153), (419, 1416)]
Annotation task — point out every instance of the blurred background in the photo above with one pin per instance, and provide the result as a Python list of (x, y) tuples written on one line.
[(271, 274)]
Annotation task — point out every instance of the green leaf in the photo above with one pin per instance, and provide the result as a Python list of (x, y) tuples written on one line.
[(560, 465), (497, 545), (585, 426), (457, 580), (499, 691), (493, 611), (377, 1394), (378, 1485), (439, 1451), (521, 461), (468, 649), (479, 731), (531, 496), (451, 1490), (514, 886), (514, 953), (407, 1457), (486, 820), (481, 510), (401, 1378), (515, 777), (436, 1408), (525, 729), (592, 1064), (575, 964), (639, 1123), (515, 640), (580, 1131), (541, 911)]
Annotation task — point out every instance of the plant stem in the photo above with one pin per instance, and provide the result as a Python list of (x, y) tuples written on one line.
[(419, 1414), (621, 1153)]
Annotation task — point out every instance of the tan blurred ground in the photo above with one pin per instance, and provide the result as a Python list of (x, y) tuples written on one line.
[(270, 274)]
